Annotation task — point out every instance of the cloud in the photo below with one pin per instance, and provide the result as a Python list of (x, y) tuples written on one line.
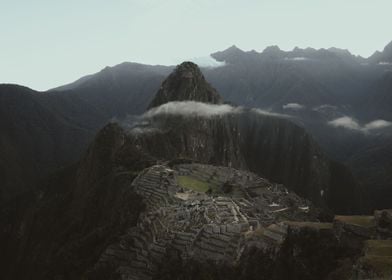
[(199, 109), (325, 107), (208, 62), (293, 106), (345, 122), (192, 108), (384, 63), (147, 124), (377, 124), (350, 123), (299, 58), (268, 113)]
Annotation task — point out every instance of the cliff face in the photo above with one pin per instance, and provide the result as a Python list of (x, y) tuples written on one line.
[(269, 146), (66, 228), (186, 83), (60, 230), (107, 218)]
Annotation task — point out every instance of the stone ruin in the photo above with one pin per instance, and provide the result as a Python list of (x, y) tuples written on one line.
[(219, 224), (202, 225)]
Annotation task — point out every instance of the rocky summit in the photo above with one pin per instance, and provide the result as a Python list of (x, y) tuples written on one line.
[(186, 83)]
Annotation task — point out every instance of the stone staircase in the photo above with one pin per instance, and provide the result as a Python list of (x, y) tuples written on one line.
[(216, 245), (377, 260), (153, 186), (276, 232)]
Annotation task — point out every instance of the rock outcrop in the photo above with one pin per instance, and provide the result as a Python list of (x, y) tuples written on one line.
[(186, 83), (270, 146)]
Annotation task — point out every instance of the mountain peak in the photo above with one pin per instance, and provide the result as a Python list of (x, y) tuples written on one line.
[(234, 48), (271, 49), (388, 47), (272, 52), (384, 56), (229, 55), (185, 83)]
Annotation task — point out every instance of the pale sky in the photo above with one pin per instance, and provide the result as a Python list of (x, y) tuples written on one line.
[(47, 43)]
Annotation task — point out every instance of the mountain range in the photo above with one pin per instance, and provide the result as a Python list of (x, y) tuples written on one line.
[(342, 100), (184, 185)]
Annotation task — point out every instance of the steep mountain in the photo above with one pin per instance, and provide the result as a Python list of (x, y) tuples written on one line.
[(116, 91), (384, 57), (254, 140), (42, 131), (372, 165), (34, 140), (109, 218), (274, 78), (188, 186), (186, 83), (61, 229), (272, 147), (380, 100), (315, 86)]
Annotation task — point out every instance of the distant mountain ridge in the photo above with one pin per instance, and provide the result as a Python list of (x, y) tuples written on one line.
[(308, 79), (383, 57), (90, 219)]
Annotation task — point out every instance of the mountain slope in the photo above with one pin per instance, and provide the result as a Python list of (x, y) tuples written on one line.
[(42, 131), (33, 140), (185, 83), (89, 218), (137, 197), (272, 79), (272, 147), (124, 89), (275, 78), (383, 57), (380, 101)]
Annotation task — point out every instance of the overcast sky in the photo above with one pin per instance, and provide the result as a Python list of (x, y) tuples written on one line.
[(47, 43)]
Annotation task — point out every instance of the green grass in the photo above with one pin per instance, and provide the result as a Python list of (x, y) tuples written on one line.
[(314, 225), (191, 183), (378, 255), (382, 265), (379, 248), (363, 221)]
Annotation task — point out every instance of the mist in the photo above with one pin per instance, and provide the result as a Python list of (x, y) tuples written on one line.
[(352, 124), (141, 124), (300, 58), (192, 108), (208, 62), (269, 113), (293, 106)]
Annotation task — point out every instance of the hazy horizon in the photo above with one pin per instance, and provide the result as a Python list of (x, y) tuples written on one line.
[(47, 44)]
